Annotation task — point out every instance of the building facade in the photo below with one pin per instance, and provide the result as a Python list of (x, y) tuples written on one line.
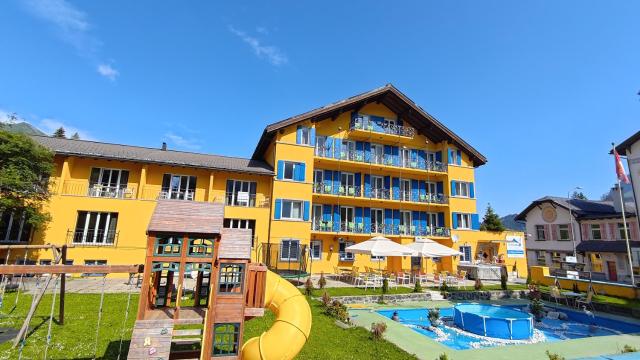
[(372, 164), (593, 230)]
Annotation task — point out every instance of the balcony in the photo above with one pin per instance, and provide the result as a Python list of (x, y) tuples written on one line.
[(75, 188), (342, 190), (352, 227), (380, 126), (92, 237), (393, 162), (379, 194)]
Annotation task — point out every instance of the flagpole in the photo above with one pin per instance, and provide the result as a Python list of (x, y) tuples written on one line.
[(624, 222)]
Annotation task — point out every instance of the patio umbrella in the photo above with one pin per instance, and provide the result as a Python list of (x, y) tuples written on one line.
[(380, 246), (425, 247)]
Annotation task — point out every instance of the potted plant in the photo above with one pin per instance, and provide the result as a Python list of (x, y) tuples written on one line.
[(434, 317)]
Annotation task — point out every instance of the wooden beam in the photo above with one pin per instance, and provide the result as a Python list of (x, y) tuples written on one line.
[(34, 305), (69, 269)]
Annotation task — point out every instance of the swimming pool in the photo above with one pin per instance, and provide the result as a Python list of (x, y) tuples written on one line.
[(493, 321), (577, 325)]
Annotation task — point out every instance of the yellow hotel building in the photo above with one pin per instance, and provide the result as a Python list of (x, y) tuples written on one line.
[(375, 163)]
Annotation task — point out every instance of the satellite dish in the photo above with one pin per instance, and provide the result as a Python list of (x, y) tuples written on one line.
[(454, 238)]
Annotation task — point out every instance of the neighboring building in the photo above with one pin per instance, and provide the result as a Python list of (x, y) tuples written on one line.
[(554, 226), (375, 163), (631, 149)]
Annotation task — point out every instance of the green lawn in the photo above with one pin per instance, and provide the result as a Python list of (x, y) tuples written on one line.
[(605, 299)]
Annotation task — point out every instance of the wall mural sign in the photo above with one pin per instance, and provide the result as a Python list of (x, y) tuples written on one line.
[(515, 247)]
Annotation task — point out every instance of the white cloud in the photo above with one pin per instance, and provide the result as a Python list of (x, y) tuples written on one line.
[(71, 26), (271, 53), (48, 126), (183, 142), (262, 30), (108, 71)]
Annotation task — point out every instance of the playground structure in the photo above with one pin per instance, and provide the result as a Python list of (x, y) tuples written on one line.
[(187, 239)]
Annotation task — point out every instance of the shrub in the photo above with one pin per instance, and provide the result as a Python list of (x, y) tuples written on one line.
[(628, 349), (478, 285), (434, 317), (417, 287), (308, 287), (381, 299), (338, 311), (443, 356), (385, 285), (553, 356), (322, 282), (377, 330), (528, 278), (535, 305), (503, 282), (326, 300)]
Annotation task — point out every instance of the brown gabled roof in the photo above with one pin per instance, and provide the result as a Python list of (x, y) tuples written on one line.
[(187, 217), (150, 155), (392, 98), (623, 146)]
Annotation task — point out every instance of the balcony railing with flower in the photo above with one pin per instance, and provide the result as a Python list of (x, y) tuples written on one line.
[(380, 125)]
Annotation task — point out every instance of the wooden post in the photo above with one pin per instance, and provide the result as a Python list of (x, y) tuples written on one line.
[(63, 280)]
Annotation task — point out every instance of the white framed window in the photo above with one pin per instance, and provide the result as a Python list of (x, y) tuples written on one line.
[(347, 183), (292, 209), (405, 157), (95, 228), (621, 231), (316, 216), (378, 258), (241, 224), (14, 227), (454, 157), (405, 189), (432, 220), (405, 222), (466, 253), (596, 234), (377, 153), (541, 235), (462, 189), (241, 193), (315, 250), (389, 122), (289, 250), (377, 221), (563, 232), (431, 157), (321, 146), (377, 187), (305, 137), (105, 182), (290, 170), (181, 187), (432, 188), (342, 253), (541, 256), (464, 221)]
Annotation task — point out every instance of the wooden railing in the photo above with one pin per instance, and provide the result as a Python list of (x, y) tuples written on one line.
[(256, 284)]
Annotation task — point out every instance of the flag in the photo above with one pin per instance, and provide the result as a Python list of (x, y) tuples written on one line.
[(620, 169)]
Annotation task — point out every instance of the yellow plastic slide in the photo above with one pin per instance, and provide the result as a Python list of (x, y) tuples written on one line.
[(291, 329)]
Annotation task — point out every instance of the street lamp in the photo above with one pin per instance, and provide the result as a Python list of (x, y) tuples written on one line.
[(573, 232)]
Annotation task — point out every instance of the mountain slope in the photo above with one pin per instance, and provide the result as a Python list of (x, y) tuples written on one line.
[(509, 222), (21, 127)]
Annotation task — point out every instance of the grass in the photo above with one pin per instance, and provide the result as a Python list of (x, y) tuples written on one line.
[(327, 341), (606, 299), (354, 291)]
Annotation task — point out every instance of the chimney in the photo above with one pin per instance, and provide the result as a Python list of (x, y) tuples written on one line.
[(615, 195), (164, 146)]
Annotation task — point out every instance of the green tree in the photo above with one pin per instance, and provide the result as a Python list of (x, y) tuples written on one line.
[(25, 167), (60, 133), (491, 221), (579, 195), (75, 136)]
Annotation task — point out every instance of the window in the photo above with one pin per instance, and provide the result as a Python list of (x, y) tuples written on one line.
[(377, 221), (377, 188), (454, 157), (405, 157), (596, 234), (168, 245), (226, 339), (466, 254), (45, 262), (95, 228), (92, 263), (432, 220), (289, 250), (432, 188), (181, 187), (241, 193), (342, 252), (431, 157), (405, 190), (347, 217), (241, 224), (305, 135), (377, 258), (348, 151), (108, 182), (540, 233), (563, 232), (315, 251), (462, 189), (317, 217), (291, 171), (230, 278), (292, 209), (541, 256), (200, 247), (347, 184), (321, 146), (621, 231), (464, 221), (405, 222), (14, 227), (377, 154)]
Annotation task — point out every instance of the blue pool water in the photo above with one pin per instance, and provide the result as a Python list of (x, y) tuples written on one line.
[(578, 325)]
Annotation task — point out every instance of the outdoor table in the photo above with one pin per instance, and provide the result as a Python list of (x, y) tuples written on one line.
[(572, 295)]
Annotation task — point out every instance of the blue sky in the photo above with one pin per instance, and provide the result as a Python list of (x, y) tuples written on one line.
[(541, 88)]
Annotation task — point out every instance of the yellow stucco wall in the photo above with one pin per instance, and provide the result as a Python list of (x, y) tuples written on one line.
[(540, 275)]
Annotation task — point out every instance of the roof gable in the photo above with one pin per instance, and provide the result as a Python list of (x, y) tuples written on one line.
[(390, 97)]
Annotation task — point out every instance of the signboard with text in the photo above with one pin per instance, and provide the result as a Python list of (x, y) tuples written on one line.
[(515, 247)]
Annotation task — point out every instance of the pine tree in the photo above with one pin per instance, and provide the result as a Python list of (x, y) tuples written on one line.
[(60, 133), (75, 136), (579, 195), (491, 221)]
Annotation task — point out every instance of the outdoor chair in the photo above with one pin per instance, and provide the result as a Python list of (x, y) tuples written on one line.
[(403, 278), (462, 279), (588, 301), (420, 277), (437, 279), (555, 294)]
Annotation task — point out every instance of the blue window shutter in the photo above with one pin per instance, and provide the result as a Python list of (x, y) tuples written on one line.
[(414, 190), (475, 222), (439, 156), (300, 170), (423, 188), (387, 182), (326, 212), (337, 148), (358, 216), (387, 155), (280, 170), (396, 155), (328, 178), (449, 156), (354, 115), (305, 213), (415, 220), (299, 134), (396, 188), (367, 185), (328, 147), (399, 122), (440, 187), (423, 220), (414, 155), (440, 219), (396, 220), (336, 218), (454, 220), (388, 220), (367, 152), (277, 209), (336, 182), (453, 188), (367, 220), (422, 159), (472, 192), (459, 158), (312, 131), (360, 150), (358, 181)]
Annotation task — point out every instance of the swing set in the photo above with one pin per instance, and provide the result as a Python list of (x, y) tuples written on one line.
[(56, 274)]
